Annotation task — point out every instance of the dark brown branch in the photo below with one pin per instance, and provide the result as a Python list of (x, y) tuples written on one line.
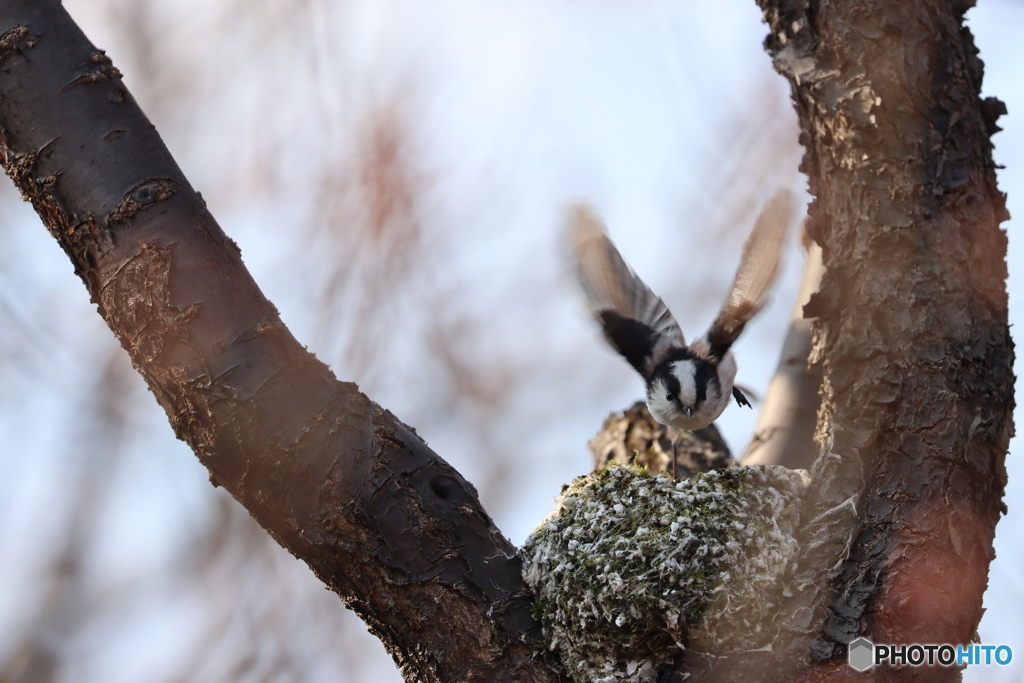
[(337, 480)]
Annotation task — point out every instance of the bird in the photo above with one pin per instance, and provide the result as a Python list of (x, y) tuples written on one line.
[(688, 386)]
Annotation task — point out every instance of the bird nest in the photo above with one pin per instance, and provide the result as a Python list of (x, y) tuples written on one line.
[(631, 568)]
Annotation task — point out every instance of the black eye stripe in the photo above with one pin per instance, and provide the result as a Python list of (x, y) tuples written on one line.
[(672, 386), (705, 374)]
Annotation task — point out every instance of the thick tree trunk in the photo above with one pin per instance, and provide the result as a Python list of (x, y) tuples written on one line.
[(911, 319), (334, 478)]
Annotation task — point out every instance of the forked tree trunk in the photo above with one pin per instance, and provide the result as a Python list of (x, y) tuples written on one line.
[(911, 332)]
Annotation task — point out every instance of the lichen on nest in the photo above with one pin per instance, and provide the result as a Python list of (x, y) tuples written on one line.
[(631, 567)]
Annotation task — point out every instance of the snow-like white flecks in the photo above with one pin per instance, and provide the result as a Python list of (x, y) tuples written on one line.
[(630, 567)]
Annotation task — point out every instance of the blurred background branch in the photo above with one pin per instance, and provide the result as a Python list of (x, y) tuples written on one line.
[(784, 433)]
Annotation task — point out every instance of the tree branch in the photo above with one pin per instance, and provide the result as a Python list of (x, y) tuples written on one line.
[(337, 480)]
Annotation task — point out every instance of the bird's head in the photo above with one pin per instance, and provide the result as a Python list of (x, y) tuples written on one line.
[(677, 392)]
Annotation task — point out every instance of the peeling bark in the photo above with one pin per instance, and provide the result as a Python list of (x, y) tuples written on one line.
[(336, 479), (911, 319)]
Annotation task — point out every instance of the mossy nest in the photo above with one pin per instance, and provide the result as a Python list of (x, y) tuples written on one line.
[(630, 567)]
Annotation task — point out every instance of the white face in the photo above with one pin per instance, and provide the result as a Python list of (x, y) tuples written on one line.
[(662, 409), (664, 406), (685, 371), (670, 412)]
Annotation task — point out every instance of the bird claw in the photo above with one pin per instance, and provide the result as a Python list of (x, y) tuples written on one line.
[(740, 398)]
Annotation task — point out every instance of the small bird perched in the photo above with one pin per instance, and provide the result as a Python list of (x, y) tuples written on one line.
[(688, 386)]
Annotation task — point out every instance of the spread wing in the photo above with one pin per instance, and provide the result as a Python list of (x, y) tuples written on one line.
[(758, 267), (636, 323)]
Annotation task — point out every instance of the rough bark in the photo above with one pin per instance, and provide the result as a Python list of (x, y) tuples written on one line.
[(337, 480), (911, 320)]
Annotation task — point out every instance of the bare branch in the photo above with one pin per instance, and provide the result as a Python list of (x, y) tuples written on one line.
[(336, 479)]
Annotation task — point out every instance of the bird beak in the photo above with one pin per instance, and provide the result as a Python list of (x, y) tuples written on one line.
[(689, 411)]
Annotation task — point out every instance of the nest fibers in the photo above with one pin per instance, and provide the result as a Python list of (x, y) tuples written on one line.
[(630, 568)]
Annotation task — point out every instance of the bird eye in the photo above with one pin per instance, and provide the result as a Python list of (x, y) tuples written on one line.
[(670, 398)]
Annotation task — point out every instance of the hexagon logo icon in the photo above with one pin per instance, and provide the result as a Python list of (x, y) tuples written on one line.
[(861, 654)]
